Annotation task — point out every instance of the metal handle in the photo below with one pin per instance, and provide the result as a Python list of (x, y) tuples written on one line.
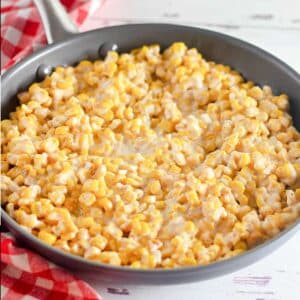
[(56, 21)]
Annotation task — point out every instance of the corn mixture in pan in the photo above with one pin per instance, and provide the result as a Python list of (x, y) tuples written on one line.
[(151, 160)]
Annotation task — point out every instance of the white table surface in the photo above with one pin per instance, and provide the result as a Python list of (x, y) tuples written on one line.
[(273, 25)]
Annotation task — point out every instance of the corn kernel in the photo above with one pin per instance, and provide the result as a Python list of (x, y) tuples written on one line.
[(87, 198), (154, 187), (91, 185), (105, 203), (193, 198), (47, 237)]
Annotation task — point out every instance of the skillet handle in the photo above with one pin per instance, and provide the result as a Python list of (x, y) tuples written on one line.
[(56, 21)]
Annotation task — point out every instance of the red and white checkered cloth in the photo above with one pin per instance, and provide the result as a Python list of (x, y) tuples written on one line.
[(22, 31), (26, 275)]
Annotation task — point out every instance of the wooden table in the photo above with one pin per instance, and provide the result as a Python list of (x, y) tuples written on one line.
[(273, 25)]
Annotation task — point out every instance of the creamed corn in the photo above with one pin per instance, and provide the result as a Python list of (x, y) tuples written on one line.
[(151, 160)]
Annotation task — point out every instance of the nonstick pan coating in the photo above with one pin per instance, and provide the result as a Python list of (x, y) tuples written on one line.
[(253, 63)]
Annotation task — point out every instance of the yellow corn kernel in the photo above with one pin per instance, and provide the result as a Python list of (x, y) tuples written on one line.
[(140, 227), (85, 222), (28, 220), (260, 202), (256, 92), (110, 178), (175, 169), (210, 144), (136, 264), (129, 196), (245, 160), (166, 125), (112, 167), (230, 143), (50, 145), (168, 263), (286, 172), (237, 187), (87, 198), (101, 189), (160, 204), (61, 130), (99, 242), (179, 207), (240, 227), (108, 116), (95, 229), (154, 187), (241, 245), (150, 261), (66, 83), (47, 237), (91, 185), (74, 111), (190, 227), (178, 47), (139, 217), (145, 228), (109, 257), (197, 246), (135, 182), (193, 198), (106, 104), (243, 200), (179, 159), (105, 203), (84, 142), (85, 64), (128, 113), (33, 87)]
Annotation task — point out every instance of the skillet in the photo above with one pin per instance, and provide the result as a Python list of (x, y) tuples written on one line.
[(68, 48)]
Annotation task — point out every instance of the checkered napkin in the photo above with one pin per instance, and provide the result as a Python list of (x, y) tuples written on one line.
[(22, 31), (27, 276)]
